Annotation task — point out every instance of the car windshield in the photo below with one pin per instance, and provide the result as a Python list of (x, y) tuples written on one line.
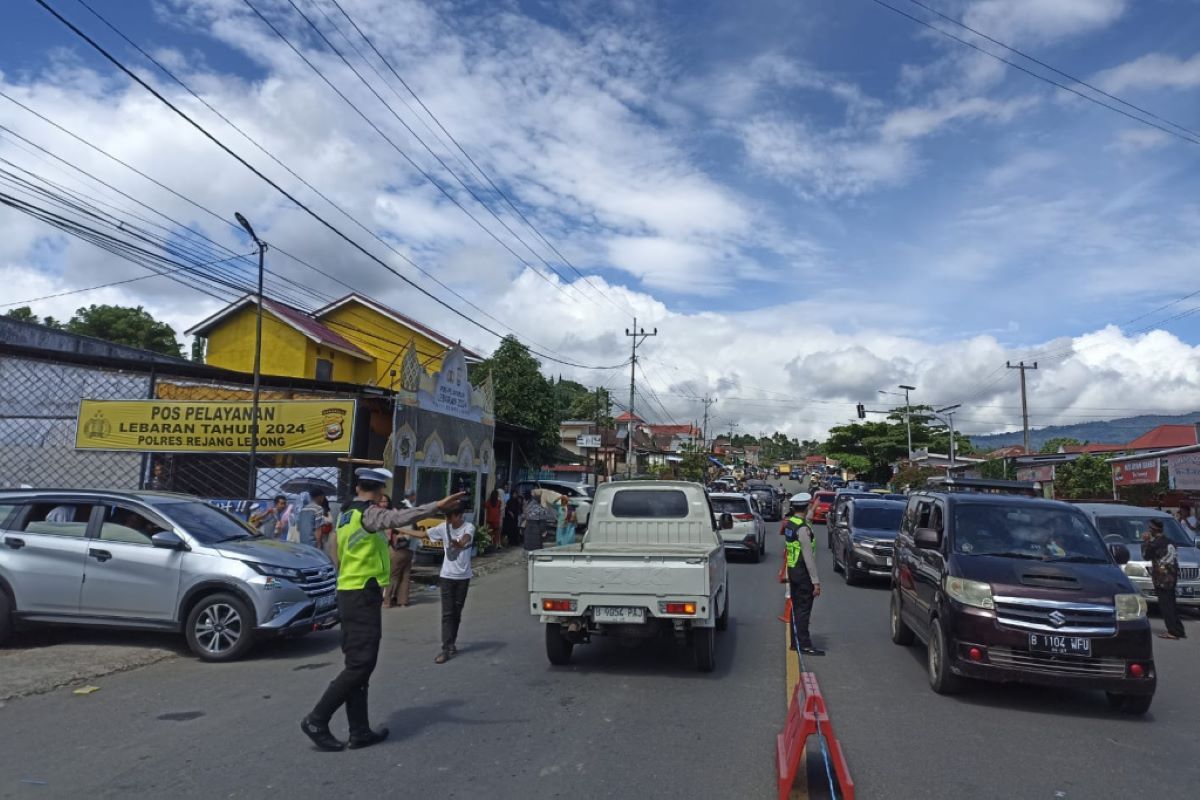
[(825, 497), (730, 505), (879, 519), (1045, 534), (205, 523), (1129, 530)]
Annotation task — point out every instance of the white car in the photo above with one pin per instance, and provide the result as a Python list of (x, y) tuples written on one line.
[(1121, 524), (747, 531)]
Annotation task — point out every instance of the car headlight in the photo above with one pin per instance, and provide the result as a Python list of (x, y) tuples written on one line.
[(1135, 570), (1130, 607), (972, 593), (274, 571)]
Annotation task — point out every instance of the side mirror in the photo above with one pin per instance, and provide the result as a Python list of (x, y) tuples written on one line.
[(927, 538), (169, 540), (1120, 553), (726, 521)]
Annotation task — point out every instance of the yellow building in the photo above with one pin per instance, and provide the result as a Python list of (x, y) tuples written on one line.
[(352, 340)]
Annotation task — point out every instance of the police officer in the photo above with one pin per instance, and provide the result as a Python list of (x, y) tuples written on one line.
[(364, 567), (801, 553)]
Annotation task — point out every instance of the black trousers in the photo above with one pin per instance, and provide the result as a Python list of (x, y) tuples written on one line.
[(362, 627), (454, 597), (1170, 614), (801, 587)]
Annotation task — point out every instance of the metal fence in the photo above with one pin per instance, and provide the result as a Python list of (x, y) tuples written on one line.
[(39, 401)]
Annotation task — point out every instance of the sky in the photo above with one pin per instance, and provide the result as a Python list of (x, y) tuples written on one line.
[(810, 201)]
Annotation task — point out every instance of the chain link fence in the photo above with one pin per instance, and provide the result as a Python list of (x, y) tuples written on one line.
[(39, 403)]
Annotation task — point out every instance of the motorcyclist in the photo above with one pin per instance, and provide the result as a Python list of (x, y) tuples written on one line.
[(800, 552)]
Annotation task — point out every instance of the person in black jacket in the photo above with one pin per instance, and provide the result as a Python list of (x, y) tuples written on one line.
[(1164, 572)]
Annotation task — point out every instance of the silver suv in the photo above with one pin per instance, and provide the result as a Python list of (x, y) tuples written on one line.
[(155, 560)]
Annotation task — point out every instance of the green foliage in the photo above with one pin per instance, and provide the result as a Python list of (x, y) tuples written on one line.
[(133, 327), (25, 314), (1086, 477), (523, 395), (858, 465), (915, 477), (588, 404), (993, 469), (1052, 445), (694, 464), (199, 345)]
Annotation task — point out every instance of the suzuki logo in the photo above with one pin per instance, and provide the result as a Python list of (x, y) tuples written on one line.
[(1057, 619)]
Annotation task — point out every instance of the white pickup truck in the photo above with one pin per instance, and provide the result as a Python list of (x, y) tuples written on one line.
[(652, 563)]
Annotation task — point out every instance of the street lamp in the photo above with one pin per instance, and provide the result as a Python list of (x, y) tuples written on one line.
[(907, 414), (252, 483), (949, 412)]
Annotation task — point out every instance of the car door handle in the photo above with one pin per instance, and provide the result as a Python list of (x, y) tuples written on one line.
[(14, 542), (99, 555)]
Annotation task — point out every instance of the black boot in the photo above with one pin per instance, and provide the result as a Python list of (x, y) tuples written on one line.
[(359, 741), (320, 735)]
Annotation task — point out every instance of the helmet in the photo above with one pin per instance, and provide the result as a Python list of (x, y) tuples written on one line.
[(800, 501)]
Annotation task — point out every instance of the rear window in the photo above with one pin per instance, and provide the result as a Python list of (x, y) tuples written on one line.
[(730, 505), (650, 504), (879, 519), (825, 497)]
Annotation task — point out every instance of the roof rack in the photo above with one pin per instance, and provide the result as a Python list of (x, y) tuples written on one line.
[(985, 486)]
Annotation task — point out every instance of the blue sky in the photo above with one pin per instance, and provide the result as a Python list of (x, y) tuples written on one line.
[(909, 210)]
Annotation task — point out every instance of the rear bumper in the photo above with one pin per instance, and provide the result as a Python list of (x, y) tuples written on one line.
[(1005, 657)]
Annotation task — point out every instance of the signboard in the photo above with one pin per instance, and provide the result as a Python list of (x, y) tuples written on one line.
[(1043, 473), (175, 426), (1135, 473), (588, 440), (1184, 471)]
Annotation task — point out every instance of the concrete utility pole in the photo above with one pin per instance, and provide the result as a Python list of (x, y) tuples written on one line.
[(639, 336), (252, 483), (708, 401), (1024, 399), (949, 412)]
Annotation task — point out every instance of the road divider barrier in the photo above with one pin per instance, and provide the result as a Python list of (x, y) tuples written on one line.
[(806, 717)]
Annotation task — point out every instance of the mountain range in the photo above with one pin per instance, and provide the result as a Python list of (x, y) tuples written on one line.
[(1112, 431)]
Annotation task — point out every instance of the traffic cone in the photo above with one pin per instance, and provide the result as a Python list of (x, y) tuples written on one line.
[(786, 616)]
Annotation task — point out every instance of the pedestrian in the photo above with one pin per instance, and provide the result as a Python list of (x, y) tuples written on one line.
[(364, 567), (410, 499), (534, 517), (325, 529), (512, 520), (1164, 573), (1187, 519), (564, 531), (494, 516), (269, 521), (458, 541), (800, 552), (401, 552), (312, 519)]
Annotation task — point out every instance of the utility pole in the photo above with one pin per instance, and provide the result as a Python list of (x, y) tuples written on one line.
[(708, 401), (949, 412), (1024, 399), (599, 444), (639, 336), (252, 483)]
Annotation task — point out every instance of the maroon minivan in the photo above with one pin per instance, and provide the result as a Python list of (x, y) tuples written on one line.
[(1007, 588)]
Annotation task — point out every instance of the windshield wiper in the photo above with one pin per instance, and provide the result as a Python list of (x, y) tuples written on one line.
[(1009, 555)]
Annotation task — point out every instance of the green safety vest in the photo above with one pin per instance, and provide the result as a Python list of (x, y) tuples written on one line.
[(793, 549), (362, 555)]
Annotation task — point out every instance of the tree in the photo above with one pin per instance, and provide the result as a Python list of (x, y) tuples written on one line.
[(1086, 477), (25, 314), (592, 405), (994, 469), (1052, 445), (523, 395), (199, 345), (133, 327)]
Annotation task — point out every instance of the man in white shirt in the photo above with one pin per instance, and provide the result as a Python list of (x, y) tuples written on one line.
[(458, 541)]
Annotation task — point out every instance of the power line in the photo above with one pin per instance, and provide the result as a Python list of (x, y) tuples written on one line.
[(1053, 69), (472, 161), (1027, 71), (317, 217)]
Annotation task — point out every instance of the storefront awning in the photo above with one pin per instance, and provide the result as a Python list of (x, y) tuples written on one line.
[(717, 463)]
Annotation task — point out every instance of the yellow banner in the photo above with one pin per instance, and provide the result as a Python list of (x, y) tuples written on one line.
[(173, 426)]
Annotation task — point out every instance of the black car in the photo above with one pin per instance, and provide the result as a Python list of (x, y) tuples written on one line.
[(1008, 588), (863, 546), (837, 513), (768, 501)]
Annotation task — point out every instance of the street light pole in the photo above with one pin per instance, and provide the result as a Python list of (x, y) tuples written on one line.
[(252, 482), (908, 417), (949, 412)]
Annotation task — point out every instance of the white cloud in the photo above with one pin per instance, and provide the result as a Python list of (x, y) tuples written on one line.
[(1137, 140), (1042, 20), (1152, 71)]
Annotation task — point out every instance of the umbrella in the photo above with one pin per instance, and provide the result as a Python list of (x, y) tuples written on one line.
[(310, 485)]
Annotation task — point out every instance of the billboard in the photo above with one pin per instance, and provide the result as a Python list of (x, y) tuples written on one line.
[(1135, 473), (176, 426)]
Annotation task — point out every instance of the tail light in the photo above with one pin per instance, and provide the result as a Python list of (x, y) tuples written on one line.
[(1137, 671), (558, 605), (744, 517), (678, 608)]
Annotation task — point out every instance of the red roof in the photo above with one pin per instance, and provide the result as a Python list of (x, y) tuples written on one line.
[(1007, 452), (1094, 448), (626, 416), (814, 460), (1164, 437), (311, 328), (675, 430)]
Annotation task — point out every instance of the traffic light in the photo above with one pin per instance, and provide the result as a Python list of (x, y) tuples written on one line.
[(862, 411)]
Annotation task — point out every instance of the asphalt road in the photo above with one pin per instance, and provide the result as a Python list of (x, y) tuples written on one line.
[(902, 740), (496, 722)]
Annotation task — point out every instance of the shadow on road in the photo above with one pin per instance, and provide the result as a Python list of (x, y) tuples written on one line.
[(408, 722), (665, 656)]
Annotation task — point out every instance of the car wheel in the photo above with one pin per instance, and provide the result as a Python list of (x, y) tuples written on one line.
[(704, 648), (1132, 704), (762, 548), (220, 628), (558, 647), (756, 554), (6, 617), (852, 575), (723, 620), (901, 633), (941, 679)]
